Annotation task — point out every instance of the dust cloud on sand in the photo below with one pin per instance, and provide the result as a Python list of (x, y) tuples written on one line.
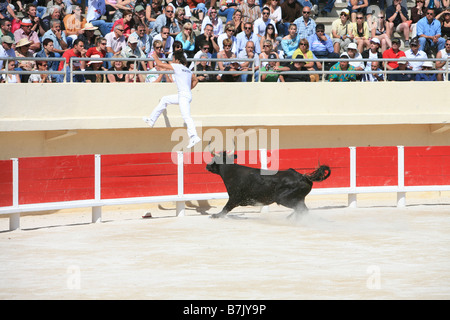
[(333, 252)]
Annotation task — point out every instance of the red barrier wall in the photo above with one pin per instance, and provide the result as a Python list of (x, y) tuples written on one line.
[(376, 166), (53, 179), (6, 182), (427, 166), (138, 175)]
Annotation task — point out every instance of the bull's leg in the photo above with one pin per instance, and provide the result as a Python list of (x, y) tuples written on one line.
[(299, 210), (228, 207)]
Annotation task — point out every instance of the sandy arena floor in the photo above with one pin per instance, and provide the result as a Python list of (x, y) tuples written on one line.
[(334, 252)]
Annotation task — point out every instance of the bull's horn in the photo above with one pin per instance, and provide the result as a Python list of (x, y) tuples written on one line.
[(209, 148)]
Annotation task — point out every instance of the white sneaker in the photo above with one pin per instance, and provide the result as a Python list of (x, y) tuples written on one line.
[(193, 141), (148, 121)]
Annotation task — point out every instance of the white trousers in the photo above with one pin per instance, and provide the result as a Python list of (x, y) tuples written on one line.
[(185, 108)]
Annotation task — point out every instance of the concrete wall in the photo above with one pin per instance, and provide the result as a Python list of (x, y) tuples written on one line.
[(64, 119)]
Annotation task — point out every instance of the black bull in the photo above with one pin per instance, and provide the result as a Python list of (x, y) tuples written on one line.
[(250, 186)]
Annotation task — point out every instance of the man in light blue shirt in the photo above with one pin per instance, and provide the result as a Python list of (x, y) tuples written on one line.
[(247, 35), (144, 40), (320, 43), (429, 31), (57, 36), (305, 25)]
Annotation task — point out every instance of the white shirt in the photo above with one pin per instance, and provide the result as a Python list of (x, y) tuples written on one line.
[(259, 26), (415, 65), (115, 43), (169, 42), (183, 78), (96, 8), (224, 36), (356, 64)]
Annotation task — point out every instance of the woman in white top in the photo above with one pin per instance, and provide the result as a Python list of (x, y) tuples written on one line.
[(12, 78)]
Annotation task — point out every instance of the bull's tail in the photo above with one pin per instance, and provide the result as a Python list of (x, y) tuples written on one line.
[(319, 174)]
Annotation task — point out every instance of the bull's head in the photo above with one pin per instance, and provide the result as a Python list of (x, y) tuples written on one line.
[(220, 159)]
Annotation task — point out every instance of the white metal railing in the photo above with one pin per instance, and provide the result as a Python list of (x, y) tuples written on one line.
[(254, 70), (97, 203)]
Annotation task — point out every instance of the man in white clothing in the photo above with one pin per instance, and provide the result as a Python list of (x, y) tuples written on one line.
[(261, 23), (185, 82)]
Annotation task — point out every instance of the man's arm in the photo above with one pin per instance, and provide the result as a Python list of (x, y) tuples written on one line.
[(161, 65), (194, 81)]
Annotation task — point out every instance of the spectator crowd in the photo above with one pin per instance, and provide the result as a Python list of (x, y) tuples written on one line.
[(261, 30)]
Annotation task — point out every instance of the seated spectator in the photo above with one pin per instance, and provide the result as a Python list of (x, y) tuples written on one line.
[(443, 64), (166, 40), (321, 45), (342, 66), (360, 29), (99, 48), (31, 13), (270, 34), (228, 34), (417, 12), (130, 77), (248, 35), (203, 66), (25, 32), (266, 52), (374, 73), (79, 51), (6, 49), (413, 54), (341, 31), (158, 48), (152, 12), (379, 31), (180, 16), (5, 29), (397, 18), (140, 18), (260, 24), (126, 23), (10, 78), (227, 8), (94, 65), (274, 76), (250, 11), (209, 37), (74, 24), (249, 53), (290, 42), (204, 51), (401, 76), (303, 50), (372, 52), (131, 50), (297, 65), (57, 36), (357, 6), (291, 10), (238, 22), (213, 19), (118, 67), (393, 53), (229, 77), (225, 54), (198, 8), (429, 32), (96, 9), (187, 38), (275, 12), (54, 13), (306, 26), (88, 36), (144, 40), (444, 18), (47, 52), (6, 12), (43, 77), (353, 54), (427, 66), (115, 42), (23, 51)]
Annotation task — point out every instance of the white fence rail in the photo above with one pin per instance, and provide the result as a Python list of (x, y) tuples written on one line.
[(180, 198)]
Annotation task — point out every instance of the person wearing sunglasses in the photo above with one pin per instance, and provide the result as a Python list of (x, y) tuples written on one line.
[(306, 26), (260, 24), (443, 64), (341, 32), (248, 35), (166, 19), (185, 81), (397, 18), (429, 32)]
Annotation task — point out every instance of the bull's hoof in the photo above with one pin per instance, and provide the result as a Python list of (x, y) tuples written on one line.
[(217, 215)]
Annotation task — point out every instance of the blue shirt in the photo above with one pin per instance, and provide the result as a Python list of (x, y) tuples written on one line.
[(145, 41), (305, 31), (315, 44), (428, 29), (241, 41), (50, 35), (289, 46)]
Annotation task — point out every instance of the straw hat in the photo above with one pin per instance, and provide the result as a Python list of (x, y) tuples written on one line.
[(22, 42), (89, 26)]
